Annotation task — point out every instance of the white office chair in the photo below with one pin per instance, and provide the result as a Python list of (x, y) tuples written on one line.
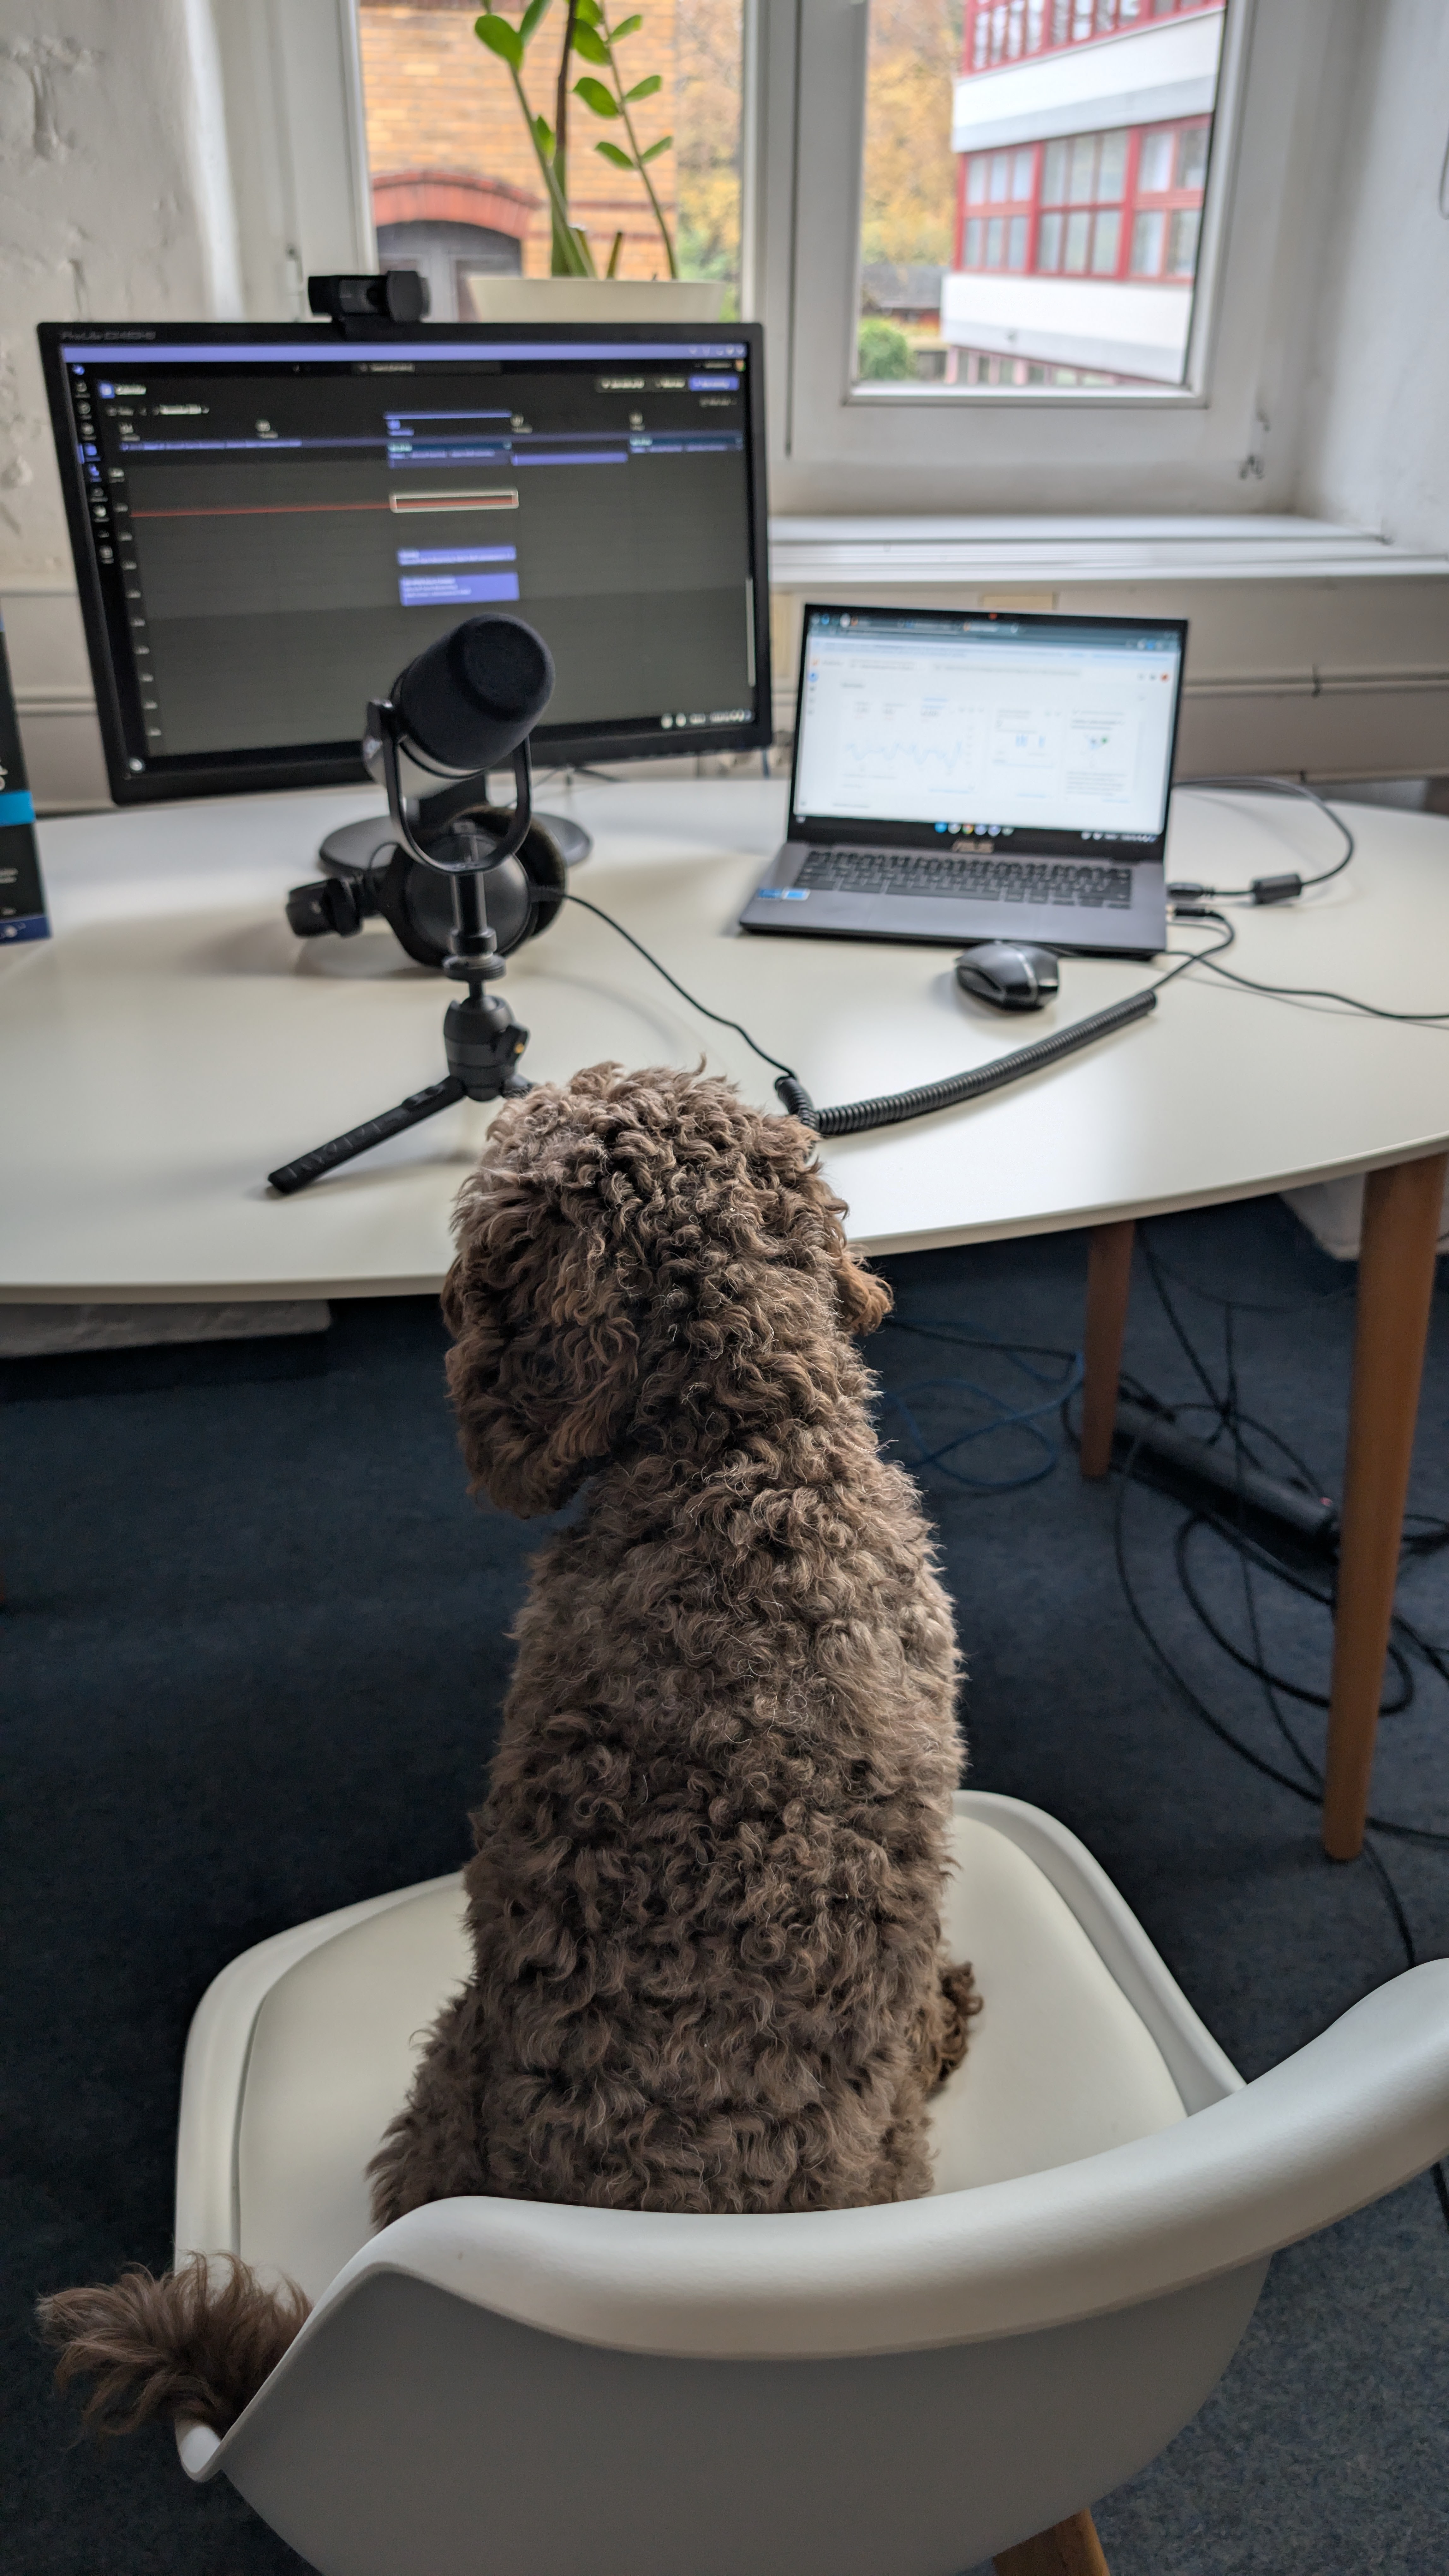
[(554, 2391)]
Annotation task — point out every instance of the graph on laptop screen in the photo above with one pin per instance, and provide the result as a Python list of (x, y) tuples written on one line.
[(952, 724), (269, 523)]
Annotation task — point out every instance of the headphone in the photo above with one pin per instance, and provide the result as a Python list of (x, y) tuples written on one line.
[(371, 877)]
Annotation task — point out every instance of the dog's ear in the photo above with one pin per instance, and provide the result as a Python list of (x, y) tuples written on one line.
[(864, 1300), (545, 1361), (803, 1208)]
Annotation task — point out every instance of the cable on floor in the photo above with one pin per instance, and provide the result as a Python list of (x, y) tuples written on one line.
[(1305, 1780)]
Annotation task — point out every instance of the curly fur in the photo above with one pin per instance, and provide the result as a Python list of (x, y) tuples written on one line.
[(704, 1902), (197, 2343)]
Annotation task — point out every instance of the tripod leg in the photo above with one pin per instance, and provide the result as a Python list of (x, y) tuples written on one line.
[(408, 1113)]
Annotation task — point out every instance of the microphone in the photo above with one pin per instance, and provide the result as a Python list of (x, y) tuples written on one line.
[(463, 706), (470, 698)]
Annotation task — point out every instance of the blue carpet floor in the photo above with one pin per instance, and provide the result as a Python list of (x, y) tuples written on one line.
[(254, 1654)]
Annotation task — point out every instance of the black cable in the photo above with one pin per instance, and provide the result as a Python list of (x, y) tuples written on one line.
[(1318, 993), (1250, 1305), (891, 1108), (1402, 1831), (685, 995), (1279, 889), (1251, 1560)]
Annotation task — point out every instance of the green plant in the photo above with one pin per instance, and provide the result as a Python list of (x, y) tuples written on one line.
[(571, 256), (884, 350), (587, 33), (596, 41)]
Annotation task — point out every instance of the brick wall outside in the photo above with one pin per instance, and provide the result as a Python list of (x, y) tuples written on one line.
[(438, 100)]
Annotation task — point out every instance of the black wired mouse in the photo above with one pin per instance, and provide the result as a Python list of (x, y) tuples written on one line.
[(1014, 975)]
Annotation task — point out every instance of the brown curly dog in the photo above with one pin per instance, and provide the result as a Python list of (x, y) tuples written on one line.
[(705, 1899)]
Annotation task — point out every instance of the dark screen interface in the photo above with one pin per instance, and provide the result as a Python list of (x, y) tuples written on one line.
[(277, 537)]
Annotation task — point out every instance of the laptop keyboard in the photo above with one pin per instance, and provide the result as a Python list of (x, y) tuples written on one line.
[(983, 880)]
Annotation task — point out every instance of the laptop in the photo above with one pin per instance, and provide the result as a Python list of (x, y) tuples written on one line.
[(991, 775)]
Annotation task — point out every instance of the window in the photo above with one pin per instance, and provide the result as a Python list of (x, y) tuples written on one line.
[(457, 186), (842, 193), (1084, 213), (1030, 115)]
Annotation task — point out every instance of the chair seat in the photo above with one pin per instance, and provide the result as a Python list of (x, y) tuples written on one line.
[(1060, 2066)]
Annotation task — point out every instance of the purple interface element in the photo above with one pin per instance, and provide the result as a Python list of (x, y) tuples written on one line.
[(456, 554), (455, 589)]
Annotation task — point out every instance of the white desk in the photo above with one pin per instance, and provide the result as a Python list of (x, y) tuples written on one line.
[(174, 1043)]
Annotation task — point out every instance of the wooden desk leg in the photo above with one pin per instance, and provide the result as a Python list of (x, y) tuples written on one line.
[(1109, 1281), (1401, 1206), (1068, 2549)]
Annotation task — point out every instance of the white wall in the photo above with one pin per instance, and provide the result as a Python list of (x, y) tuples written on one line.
[(1375, 437), (108, 208), (160, 160)]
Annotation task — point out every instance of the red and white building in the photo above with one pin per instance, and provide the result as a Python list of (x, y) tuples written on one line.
[(1083, 129)]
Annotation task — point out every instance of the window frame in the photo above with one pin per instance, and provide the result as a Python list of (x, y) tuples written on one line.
[(1224, 442), (839, 443)]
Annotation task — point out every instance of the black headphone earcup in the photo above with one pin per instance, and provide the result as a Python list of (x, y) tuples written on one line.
[(421, 927), (541, 860), (523, 896)]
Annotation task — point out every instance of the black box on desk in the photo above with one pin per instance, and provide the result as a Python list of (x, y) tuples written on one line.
[(22, 897)]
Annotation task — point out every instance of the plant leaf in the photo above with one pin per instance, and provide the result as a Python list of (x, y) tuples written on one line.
[(594, 95), (644, 88), (613, 268), (590, 13), (611, 152), (543, 135), (589, 43), (628, 26), (655, 149), (536, 10), (501, 39)]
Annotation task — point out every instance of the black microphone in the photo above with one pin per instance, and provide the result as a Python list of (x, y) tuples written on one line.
[(469, 699), (465, 705)]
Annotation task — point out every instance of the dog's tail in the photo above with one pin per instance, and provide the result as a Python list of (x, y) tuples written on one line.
[(196, 2343)]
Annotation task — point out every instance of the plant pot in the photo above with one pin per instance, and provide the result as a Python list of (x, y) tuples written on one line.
[(602, 300)]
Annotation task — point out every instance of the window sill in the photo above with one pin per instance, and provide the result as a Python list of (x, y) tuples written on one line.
[(805, 552)]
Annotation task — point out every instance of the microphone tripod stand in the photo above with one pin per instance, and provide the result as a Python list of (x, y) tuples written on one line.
[(482, 1041)]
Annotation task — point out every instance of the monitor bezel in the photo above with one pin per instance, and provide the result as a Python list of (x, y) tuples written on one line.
[(1040, 840), (230, 774)]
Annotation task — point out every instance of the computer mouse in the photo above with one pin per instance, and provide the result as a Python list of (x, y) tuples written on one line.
[(1015, 975)]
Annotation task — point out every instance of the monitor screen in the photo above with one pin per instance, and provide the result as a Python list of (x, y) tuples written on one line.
[(998, 725), (269, 522)]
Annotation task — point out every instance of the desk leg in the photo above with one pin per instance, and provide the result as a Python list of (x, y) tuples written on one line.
[(1068, 2549), (1109, 1281), (1401, 1207)]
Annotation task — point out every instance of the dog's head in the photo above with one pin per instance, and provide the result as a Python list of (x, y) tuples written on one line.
[(643, 1261)]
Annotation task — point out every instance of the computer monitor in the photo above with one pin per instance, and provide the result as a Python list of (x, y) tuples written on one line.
[(270, 520)]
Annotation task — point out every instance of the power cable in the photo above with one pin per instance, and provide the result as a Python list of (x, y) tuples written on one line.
[(1259, 890)]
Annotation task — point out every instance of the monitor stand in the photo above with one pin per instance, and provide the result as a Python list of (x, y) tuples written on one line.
[(354, 846)]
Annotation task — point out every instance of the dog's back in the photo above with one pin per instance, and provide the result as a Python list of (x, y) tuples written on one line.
[(705, 1899)]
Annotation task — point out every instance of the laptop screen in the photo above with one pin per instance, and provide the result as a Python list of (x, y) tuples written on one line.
[(1059, 730)]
